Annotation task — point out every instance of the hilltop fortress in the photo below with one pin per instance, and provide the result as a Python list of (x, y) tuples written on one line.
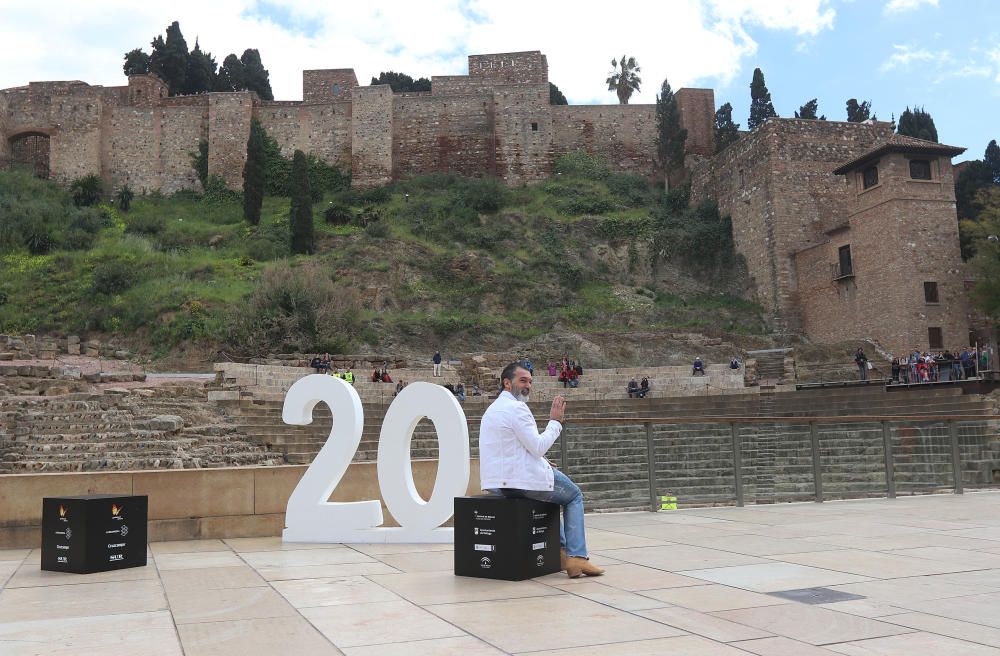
[(848, 230)]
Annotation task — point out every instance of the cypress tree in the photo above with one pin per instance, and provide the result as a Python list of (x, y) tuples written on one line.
[(256, 78), (992, 160), (917, 123), (761, 108), (200, 71), (170, 59), (726, 132), (253, 175), (300, 220), (231, 75), (556, 96), (136, 62), (670, 136)]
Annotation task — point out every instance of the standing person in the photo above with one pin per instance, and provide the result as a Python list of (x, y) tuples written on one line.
[(862, 361), (512, 462), (437, 362)]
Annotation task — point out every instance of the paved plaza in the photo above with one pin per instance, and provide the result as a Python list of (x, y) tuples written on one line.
[(915, 575)]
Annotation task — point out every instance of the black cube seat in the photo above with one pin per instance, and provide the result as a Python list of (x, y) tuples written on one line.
[(93, 533), (508, 539)]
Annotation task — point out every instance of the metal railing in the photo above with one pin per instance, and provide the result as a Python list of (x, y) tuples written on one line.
[(735, 425)]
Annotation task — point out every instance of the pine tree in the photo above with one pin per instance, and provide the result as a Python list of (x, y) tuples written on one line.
[(300, 220), (726, 132), (858, 112), (917, 123), (256, 78), (170, 58), (670, 136), (136, 62), (992, 160), (808, 111), (200, 71), (761, 108), (253, 175), (556, 96)]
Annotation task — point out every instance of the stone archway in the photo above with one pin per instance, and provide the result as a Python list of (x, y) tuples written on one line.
[(30, 150)]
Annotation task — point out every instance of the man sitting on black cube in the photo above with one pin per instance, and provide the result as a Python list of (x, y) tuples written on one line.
[(512, 462)]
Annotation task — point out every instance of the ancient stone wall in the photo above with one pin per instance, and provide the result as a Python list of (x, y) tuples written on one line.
[(777, 184), (697, 109), (321, 129), (328, 85), (902, 233), (371, 142), (523, 129), (229, 116), (511, 67), (442, 133), (624, 134)]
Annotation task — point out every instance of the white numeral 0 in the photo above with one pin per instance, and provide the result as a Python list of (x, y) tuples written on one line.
[(310, 517)]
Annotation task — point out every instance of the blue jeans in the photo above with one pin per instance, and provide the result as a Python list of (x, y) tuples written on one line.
[(572, 536)]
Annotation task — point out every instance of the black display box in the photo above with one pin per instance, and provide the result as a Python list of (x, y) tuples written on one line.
[(93, 533), (508, 539)]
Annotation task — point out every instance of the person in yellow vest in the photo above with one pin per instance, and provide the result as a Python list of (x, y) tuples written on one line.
[(349, 376)]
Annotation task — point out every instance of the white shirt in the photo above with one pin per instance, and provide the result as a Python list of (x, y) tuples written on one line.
[(511, 450)]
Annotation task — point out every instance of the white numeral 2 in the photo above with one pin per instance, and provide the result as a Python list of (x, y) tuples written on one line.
[(311, 517)]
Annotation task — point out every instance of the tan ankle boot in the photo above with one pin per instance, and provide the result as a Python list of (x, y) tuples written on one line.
[(576, 567), (562, 560)]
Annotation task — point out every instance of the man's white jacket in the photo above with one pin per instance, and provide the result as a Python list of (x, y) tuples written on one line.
[(511, 450)]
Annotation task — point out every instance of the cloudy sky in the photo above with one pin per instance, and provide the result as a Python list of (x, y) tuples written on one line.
[(940, 54)]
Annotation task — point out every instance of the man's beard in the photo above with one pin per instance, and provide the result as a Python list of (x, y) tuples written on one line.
[(521, 394)]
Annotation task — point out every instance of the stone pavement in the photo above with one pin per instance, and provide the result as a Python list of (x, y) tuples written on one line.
[(916, 575)]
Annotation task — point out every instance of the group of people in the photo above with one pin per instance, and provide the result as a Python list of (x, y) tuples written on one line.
[(323, 365), (382, 375), (638, 390), (568, 371), (944, 366), (927, 367)]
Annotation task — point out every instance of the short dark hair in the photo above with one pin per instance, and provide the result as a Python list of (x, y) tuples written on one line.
[(508, 372)]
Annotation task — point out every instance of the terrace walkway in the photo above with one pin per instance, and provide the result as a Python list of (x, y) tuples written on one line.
[(913, 575)]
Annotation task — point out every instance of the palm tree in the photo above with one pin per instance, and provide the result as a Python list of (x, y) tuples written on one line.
[(626, 80)]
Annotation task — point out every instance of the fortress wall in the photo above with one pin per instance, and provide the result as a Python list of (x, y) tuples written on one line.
[(132, 141), (371, 138), (697, 109), (511, 67), (442, 133), (75, 146), (182, 129), (524, 132), (777, 184), (624, 134), (4, 128), (321, 129), (460, 85), (328, 85), (228, 130)]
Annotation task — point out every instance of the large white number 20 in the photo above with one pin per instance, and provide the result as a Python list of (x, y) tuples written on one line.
[(311, 517)]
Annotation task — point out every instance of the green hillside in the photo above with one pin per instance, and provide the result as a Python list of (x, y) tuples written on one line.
[(437, 260)]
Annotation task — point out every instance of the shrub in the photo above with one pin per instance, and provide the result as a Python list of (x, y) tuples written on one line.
[(114, 276), (124, 198), (86, 190), (149, 225), (294, 308), (377, 229), (582, 165), (633, 190), (216, 191), (481, 194), (375, 195), (337, 213)]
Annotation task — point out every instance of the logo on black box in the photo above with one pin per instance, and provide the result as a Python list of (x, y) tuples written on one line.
[(485, 563), (482, 517), (540, 561), (483, 531), (539, 515), (536, 530), (485, 547)]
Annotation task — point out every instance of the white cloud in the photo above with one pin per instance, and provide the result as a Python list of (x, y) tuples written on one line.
[(691, 42), (900, 6), (904, 55), (993, 57)]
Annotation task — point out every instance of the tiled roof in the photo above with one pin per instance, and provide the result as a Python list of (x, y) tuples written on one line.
[(899, 143)]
